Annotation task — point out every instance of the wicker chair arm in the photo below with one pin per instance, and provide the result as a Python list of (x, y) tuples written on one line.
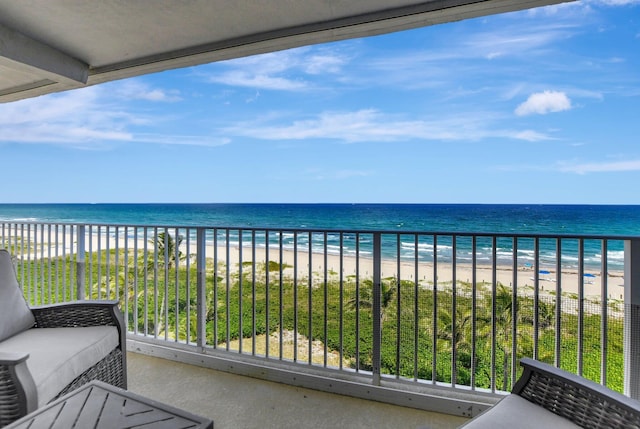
[(9, 359), (584, 402), (18, 395), (77, 314)]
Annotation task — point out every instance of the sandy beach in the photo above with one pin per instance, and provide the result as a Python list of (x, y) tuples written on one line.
[(424, 272), (317, 266)]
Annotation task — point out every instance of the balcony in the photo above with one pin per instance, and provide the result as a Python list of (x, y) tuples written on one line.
[(430, 323), (234, 401)]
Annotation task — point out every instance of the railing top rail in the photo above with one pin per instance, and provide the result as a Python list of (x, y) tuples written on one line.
[(529, 235)]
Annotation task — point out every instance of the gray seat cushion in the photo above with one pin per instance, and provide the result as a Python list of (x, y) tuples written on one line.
[(516, 412), (15, 315), (58, 355)]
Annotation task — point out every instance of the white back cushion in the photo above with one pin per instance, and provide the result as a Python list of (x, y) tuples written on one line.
[(15, 315)]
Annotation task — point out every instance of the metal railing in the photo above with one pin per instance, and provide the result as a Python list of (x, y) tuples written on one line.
[(453, 310)]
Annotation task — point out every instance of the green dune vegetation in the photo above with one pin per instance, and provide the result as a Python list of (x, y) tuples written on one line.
[(249, 308)]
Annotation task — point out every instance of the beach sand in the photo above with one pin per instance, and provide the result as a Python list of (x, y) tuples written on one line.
[(331, 265), (319, 266)]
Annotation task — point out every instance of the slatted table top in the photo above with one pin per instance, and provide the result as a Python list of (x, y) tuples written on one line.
[(102, 406)]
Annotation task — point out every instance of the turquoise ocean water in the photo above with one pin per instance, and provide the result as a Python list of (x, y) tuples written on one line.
[(487, 218)]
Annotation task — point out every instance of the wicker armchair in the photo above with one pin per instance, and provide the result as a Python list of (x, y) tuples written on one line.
[(48, 351), (18, 393), (545, 396), (585, 403)]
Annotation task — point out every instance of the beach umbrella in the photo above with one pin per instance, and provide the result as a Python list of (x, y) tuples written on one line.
[(544, 272), (589, 275)]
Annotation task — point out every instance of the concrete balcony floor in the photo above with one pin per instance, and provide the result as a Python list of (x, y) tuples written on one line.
[(234, 401)]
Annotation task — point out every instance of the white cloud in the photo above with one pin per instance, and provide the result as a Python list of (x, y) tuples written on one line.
[(545, 102), (531, 136), (370, 125), (182, 140), (512, 41), (288, 70), (615, 2), (324, 63), (72, 118), (567, 8), (86, 118), (258, 80), (601, 167), (137, 90), (578, 8), (493, 54)]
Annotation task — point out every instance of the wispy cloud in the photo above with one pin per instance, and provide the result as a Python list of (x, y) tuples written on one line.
[(290, 70), (324, 62), (370, 125), (181, 140), (516, 41), (259, 80), (530, 135), (499, 54), (572, 167), (74, 118), (484, 43), (137, 90), (614, 2), (578, 9), (568, 8), (545, 102), (600, 167), (87, 118)]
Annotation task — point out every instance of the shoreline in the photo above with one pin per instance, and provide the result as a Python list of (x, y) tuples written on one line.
[(390, 268), (363, 265)]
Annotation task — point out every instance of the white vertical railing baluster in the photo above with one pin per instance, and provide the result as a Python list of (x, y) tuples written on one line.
[(604, 307), (80, 263), (581, 298), (454, 310), (201, 281), (558, 310), (514, 313), (377, 294), (434, 339), (632, 318)]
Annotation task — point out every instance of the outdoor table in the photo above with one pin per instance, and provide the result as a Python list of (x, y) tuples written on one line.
[(102, 406)]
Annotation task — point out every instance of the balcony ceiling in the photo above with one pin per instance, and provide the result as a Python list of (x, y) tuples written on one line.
[(54, 45)]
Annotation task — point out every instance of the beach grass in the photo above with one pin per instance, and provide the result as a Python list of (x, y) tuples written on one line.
[(423, 327)]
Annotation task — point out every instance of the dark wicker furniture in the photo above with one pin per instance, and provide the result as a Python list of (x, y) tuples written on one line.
[(550, 391), (585, 403), (18, 396)]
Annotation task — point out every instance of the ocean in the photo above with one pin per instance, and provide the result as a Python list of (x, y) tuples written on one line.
[(606, 220)]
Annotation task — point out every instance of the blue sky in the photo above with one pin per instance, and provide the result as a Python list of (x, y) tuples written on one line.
[(539, 106)]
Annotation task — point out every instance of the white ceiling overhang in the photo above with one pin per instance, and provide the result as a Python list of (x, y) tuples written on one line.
[(54, 45)]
